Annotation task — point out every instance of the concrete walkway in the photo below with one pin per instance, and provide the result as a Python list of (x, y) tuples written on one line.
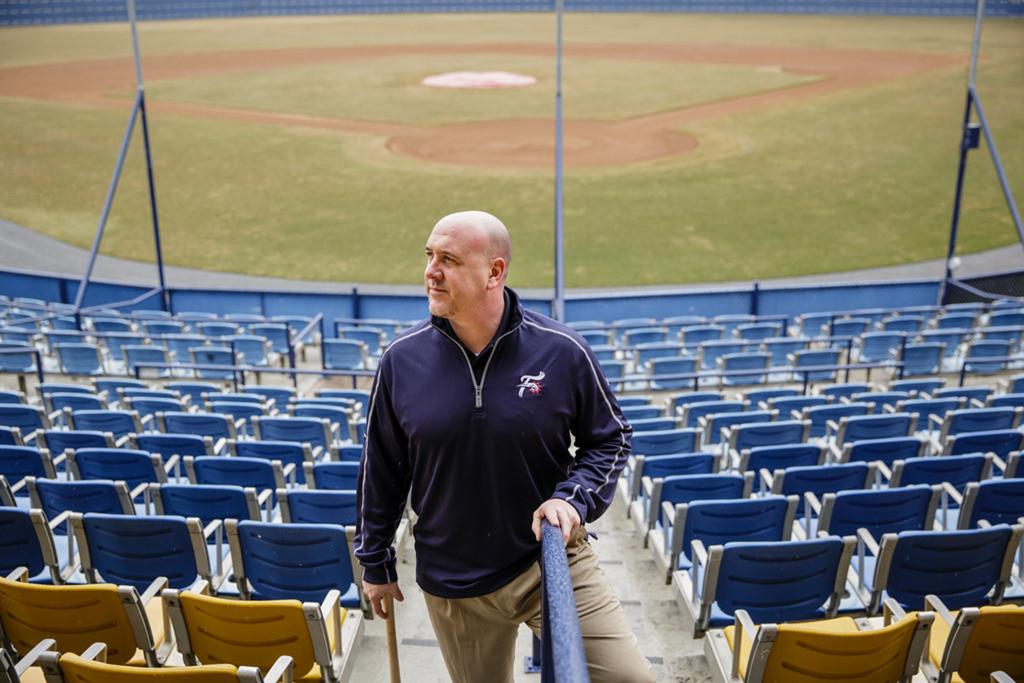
[(28, 250)]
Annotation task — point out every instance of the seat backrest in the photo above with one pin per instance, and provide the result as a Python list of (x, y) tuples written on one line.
[(977, 393), (960, 567), (767, 434), (207, 501), (214, 425), (690, 487), (132, 550), (844, 390), (319, 506), (997, 501), (56, 496), (1002, 442), (804, 653), (694, 411), (786, 404), (755, 396), (26, 418), (292, 561), (311, 430), (885, 450), (74, 669), (820, 415), (86, 614), (823, 479), (130, 466), (861, 427), (18, 462), (343, 354), (783, 456), (980, 419), (679, 463), (280, 395), (688, 397), (336, 476), (993, 644), (255, 472), (60, 440), (80, 359), (194, 390), (117, 422), (922, 358), (19, 543), (674, 365), (661, 442), (246, 633), (640, 412), (956, 470), (716, 522), (778, 581), (879, 511), (59, 401), (167, 445), (285, 451)]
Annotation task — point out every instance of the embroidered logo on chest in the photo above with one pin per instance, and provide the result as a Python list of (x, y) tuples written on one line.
[(530, 385)]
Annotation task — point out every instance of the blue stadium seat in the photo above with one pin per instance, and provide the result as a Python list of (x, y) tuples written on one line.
[(287, 452), (850, 428), (745, 362), (978, 351), (675, 365), (977, 420), (257, 473), (122, 464), (716, 522), (745, 436), (960, 567), (213, 356), (344, 354), (773, 458), (955, 470), (332, 476), (320, 506), (880, 511), (209, 502), (821, 415), (878, 347), (1002, 442), (995, 501), (921, 358), (293, 562), (820, 480), (659, 466), (693, 412), (886, 451), (686, 488), (317, 432), (665, 441), (844, 391), (134, 354), (881, 399), (26, 540), (772, 581), (916, 386), (167, 445), (137, 550), (808, 358), (118, 422), (712, 425)]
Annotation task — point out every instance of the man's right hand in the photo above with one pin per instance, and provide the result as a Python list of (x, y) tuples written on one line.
[(376, 592)]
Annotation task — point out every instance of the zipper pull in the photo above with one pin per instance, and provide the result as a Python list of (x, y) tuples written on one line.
[(479, 397)]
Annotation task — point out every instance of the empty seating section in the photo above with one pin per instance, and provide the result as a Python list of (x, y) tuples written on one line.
[(789, 475)]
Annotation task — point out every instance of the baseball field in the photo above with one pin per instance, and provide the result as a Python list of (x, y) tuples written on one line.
[(699, 148)]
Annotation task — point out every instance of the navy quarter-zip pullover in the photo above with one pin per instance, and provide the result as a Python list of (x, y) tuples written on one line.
[(477, 443)]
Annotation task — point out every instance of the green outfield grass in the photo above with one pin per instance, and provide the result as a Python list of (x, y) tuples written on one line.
[(850, 180)]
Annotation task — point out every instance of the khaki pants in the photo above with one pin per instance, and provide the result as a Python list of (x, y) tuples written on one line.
[(478, 635)]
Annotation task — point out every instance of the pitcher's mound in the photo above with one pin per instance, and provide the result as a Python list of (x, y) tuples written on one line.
[(485, 80)]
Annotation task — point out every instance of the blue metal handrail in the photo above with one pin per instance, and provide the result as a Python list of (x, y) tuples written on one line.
[(562, 656)]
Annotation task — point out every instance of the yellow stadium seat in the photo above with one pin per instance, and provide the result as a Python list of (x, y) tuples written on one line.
[(91, 667), (320, 638), (969, 645), (75, 617), (810, 652)]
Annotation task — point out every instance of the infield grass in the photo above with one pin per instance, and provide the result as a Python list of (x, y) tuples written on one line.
[(849, 180)]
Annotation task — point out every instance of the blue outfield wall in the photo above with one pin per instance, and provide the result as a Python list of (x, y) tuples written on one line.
[(21, 12), (607, 306)]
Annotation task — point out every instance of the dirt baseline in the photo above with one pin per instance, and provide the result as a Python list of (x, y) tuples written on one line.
[(492, 143)]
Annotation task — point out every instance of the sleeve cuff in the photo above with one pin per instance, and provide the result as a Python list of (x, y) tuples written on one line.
[(579, 506), (380, 573)]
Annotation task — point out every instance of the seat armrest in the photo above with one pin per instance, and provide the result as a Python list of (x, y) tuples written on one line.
[(139, 490), (883, 469), (30, 658), (282, 671), (121, 441), (18, 574), (934, 603), (767, 479), (97, 652), (153, 590), (812, 502), (60, 519), (948, 490), (289, 473), (864, 536)]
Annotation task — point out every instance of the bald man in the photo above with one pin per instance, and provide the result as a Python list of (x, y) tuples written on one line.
[(471, 419)]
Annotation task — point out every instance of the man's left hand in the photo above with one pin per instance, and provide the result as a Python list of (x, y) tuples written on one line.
[(559, 514)]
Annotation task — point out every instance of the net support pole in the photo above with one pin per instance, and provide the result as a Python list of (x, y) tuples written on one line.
[(165, 303), (969, 140), (558, 305), (83, 284)]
